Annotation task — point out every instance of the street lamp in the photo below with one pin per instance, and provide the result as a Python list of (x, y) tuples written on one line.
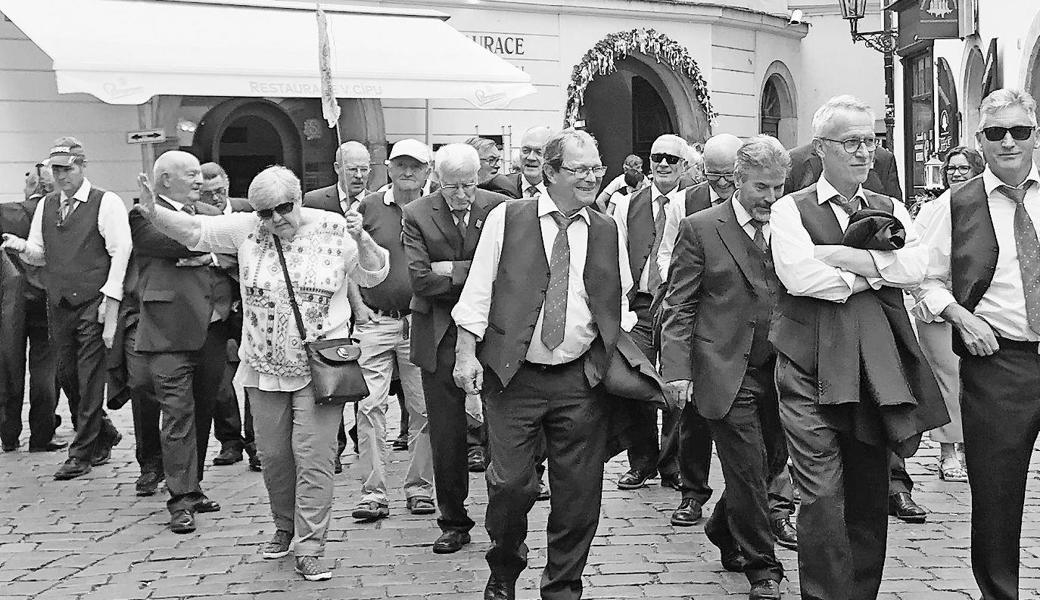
[(853, 11)]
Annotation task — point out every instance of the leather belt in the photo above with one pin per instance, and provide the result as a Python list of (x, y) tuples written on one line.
[(1018, 345), (543, 368), (392, 314)]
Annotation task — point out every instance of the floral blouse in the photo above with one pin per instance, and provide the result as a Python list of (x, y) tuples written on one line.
[(320, 259)]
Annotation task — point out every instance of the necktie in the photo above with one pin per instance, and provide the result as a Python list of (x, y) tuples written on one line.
[(767, 256), (189, 208), (653, 280), (460, 222), (66, 207), (760, 237), (1028, 253), (531, 191), (555, 310), (849, 206)]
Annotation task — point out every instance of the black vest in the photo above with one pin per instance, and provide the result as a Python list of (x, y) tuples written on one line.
[(761, 349), (523, 277), (77, 260), (973, 243), (640, 232)]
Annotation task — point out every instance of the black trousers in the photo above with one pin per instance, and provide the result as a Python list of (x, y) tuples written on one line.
[(228, 426), (143, 404), (80, 355), (753, 451), (558, 403), (23, 325), (843, 520), (186, 384), (1000, 410), (446, 416)]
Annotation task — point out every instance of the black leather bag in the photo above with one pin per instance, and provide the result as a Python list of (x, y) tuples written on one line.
[(336, 375)]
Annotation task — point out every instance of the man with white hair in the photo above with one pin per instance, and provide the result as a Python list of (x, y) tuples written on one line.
[(352, 166), (440, 236), (528, 181), (982, 278), (851, 377)]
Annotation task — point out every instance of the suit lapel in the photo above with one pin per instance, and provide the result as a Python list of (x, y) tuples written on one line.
[(477, 215), (442, 217), (737, 243), (332, 202)]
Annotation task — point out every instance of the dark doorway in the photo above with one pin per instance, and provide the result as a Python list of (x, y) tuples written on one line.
[(650, 117), (248, 145), (771, 113)]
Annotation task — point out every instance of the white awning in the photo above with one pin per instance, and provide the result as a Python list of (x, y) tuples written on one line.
[(125, 52)]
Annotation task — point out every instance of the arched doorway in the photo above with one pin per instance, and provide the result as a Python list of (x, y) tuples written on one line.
[(777, 109), (245, 136), (974, 68)]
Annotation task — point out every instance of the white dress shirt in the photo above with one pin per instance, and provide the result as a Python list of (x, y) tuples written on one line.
[(345, 202), (676, 197), (677, 212), (113, 225), (524, 185), (1003, 305), (805, 275), (471, 312), (744, 220)]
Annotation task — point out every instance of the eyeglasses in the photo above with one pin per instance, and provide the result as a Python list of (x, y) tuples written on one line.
[(524, 151), (583, 172), (282, 209), (959, 169), (454, 188), (664, 157), (358, 171), (492, 160), (851, 145), (1018, 132), (715, 176), (217, 193)]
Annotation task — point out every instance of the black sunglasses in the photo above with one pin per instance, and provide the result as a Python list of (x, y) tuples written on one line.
[(282, 209), (1018, 132), (664, 156)]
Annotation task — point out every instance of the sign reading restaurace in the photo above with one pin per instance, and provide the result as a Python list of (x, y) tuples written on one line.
[(502, 45), (146, 136)]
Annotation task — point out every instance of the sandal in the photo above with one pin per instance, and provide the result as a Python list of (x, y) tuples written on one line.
[(950, 469), (418, 505)]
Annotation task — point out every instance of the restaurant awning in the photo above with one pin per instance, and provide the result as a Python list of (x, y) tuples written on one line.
[(125, 52)]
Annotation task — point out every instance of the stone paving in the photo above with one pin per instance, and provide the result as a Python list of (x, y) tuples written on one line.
[(93, 538)]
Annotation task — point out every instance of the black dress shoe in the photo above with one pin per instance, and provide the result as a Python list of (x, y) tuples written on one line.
[(475, 460), (688, 513), (450, 541), (148, 483), (182, 521), (785, 533), (499, 589), (229, 455), (902, 506), (634, 480), (671, 481), (103, 450), (206, 506), (73, 467), (765, 589), (731, 558), (51, 446)]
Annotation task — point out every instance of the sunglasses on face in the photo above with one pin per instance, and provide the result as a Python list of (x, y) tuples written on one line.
[(282, 209), (665, 157), (1018, 132)]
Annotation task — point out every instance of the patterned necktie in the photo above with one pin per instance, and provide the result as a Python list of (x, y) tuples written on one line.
[(531, 191), (67, 205), (555, 310), (849, 206), (189, 208), (653, 280), (760, 237), (460, 222), (767, 256), (1028, 253)]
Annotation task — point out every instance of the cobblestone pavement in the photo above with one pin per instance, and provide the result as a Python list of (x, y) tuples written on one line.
[(93, 538)]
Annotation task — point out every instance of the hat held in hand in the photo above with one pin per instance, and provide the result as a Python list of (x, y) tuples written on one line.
[(871, 229)]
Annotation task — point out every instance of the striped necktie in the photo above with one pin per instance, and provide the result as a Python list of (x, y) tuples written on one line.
[(554, 318)]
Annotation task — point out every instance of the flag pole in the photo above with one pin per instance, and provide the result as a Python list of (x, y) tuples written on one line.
[(329, 103)]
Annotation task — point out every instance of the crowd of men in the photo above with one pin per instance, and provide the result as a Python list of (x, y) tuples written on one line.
[(759, 291)]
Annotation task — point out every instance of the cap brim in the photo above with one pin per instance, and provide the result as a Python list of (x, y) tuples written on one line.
[(62, 161), (424, 160)]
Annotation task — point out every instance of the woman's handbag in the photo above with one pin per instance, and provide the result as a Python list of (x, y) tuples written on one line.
[(336, 375)]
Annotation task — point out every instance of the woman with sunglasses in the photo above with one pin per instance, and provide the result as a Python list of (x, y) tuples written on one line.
[(295, 437), (960, 165)]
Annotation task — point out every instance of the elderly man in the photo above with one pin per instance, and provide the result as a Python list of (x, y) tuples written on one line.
[(641, 218), (538, 315), (182, 331), (383, 324), (851, 377), (982, 278), (80, 236), (215, 186), (352, 166), (632, 179), (440, 235), (528, 182), (490, 159), (731, 383)]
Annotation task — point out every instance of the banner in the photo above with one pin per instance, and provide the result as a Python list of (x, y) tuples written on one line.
[(329, 105)]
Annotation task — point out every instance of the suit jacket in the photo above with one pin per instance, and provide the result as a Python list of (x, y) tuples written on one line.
[(430, 235), (176, 302), (806, 168), (715, 274), (698, 198), (507, 185), (327, 198)]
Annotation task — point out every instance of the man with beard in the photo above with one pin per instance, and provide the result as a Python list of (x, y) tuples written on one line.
[(528, 182)]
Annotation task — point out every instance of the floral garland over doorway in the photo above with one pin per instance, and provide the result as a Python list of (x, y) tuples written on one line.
[(602, 59)]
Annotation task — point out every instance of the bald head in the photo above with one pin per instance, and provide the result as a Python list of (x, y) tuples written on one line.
[(720, 154), (178, 176)]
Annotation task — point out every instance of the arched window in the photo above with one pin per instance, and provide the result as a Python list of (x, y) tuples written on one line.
[(771, 112)]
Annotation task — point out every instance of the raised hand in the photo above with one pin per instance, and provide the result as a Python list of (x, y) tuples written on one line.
[(147, 204)]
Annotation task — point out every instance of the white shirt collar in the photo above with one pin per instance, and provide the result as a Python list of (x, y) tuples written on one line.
[(743, 218), (546, 205), (992, 182), (178, 206), (825, 191), (388, 196), (673, 195), (82, 194), (714, 196)]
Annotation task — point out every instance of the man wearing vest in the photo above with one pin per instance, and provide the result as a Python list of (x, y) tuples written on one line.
[(538, 314), (715, 353), (383, 325), (182, 330), (529, 182), (642, 220), (80, 236), (982, 278), (852, 380)]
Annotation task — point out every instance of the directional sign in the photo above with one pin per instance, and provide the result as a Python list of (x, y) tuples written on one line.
[(147, 136)]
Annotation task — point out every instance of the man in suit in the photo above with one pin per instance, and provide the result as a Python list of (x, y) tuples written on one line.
[(981, 280), (352, 166), (80, 237), (882, 178), (182, 330), (440, 235), (490, 158), (723, 363), (548, 320), (852, 380), (528, 182)]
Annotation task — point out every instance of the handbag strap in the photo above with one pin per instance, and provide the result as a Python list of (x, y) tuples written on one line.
[(289, 288)]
